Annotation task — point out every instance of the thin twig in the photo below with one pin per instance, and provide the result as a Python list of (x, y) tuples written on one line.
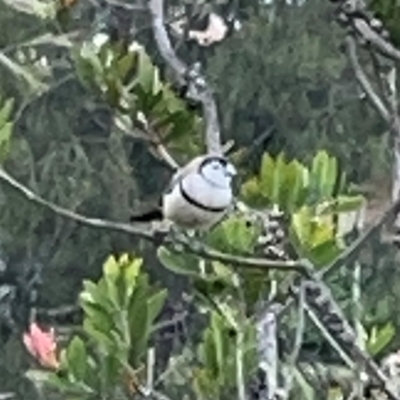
[(57, 312), (300, 328), (343, 355), (363, 80), (298, 341), (152, 235), (240, 380), (157, 143), (267, 342), (6, 396)]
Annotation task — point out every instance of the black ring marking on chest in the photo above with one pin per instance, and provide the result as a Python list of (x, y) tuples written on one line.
[(195, 203)]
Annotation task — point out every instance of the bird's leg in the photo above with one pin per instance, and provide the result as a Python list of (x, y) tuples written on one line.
[(161, 230), (179, 234)]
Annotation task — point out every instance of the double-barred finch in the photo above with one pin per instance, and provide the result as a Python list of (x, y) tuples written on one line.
[(198, 196)]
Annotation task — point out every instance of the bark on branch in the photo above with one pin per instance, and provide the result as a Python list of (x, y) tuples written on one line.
[(140, 231), (197, 86)]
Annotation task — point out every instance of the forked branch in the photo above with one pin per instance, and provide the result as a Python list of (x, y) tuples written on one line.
[(191, 78)]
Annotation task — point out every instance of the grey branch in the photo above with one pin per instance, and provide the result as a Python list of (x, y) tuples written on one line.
[(378, 42), (198, 89), (362, 23), (7, 395), (363, 80), (191, 246), (267, 335)]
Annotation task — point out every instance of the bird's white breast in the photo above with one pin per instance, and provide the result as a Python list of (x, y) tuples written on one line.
[(179, 210)]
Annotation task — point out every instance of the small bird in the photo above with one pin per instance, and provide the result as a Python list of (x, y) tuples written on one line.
[(198, 196)]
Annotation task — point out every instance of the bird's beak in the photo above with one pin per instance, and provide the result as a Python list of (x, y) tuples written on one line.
[(231, 170)]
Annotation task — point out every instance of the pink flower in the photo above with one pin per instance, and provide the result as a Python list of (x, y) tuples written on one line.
[(42, 345)]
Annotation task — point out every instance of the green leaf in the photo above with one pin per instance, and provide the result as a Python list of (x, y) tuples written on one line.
[(314, 236), (146, 72), (267, 176), (210, 287), (103, 340), (130, 270), (278, 177), (342, 204), (6, 128), (98, 317), (5, 135), (301, 225), (110, 371), (125, 64), (111, 268), (291, 187), (324, 173), (380, 338), (77, 358), (236, 234), (111, 273), (138, 320), (250, 192), (96, 294), (324, 253), (154, 305), (207, 354), (5, 112), (183, 264), (204, 385)]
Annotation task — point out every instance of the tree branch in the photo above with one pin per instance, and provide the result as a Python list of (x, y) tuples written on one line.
[(367, 27), (155, 141), (363, 80), (267, 330), (352, 251), (383, 46), (198, 89), (152, 235)]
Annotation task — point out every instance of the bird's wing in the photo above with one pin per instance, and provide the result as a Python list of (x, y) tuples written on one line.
[(187, 169)]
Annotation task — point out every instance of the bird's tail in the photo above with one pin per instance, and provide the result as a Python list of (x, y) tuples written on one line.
[(153, 215)]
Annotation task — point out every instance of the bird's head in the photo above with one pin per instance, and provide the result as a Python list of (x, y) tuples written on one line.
[(218, 171)]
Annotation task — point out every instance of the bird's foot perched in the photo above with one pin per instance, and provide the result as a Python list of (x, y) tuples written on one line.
[(160, 230), (179, 234)]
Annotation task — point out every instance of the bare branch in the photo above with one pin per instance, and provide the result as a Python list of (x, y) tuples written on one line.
[(61, 311), (351, 252), (329, 313), (363, 80), (325, 332), (64, 212), (240, 374), (364, 25), (6, 396), (157, 143), (372, 37), (267, 340), (153, 235), (198, 89)]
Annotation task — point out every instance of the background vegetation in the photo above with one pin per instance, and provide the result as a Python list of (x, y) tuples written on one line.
[(283, 84)]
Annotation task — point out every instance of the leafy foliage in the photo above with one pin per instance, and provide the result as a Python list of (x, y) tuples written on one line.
[(119, 313), (86, 116), (6, 127), (131, 85), (310, 197)]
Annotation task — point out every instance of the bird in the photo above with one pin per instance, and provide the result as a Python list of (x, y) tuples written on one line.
[(198, 196)]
